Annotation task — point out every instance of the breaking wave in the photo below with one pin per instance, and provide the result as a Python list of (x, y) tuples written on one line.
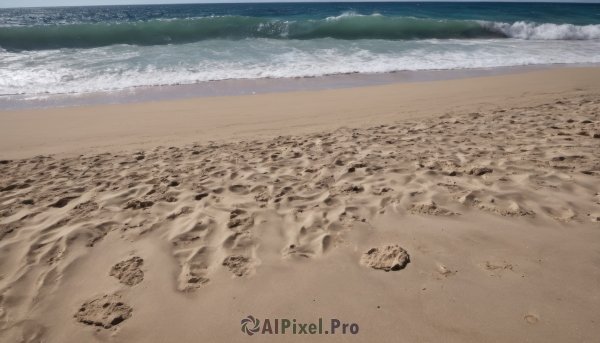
[(345, 27)]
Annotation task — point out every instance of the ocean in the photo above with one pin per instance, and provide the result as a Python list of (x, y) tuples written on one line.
[(90, 49)]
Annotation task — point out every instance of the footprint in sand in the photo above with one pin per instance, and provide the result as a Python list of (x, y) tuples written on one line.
[(194, 268), (263, 198), (239, 265), (430, 208), (294, 250), (390, 257), (531, 319), (84, 209), (138, 204), (346, 189), (129, 272), (239, 218), (105, 311), (497, 269), (62, 202), (348, 219), (200, 196), (182, 212)]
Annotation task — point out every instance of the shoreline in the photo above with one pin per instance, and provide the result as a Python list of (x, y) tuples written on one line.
[(235, 87), (72, 131)]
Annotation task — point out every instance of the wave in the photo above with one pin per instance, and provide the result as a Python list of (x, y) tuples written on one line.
[(124, 66), (346, 27), (524, 30)]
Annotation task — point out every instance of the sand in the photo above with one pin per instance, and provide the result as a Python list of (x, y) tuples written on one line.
[(69, 132), (453, 211)]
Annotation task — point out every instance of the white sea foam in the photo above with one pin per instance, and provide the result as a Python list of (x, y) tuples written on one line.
[(525, 30), (124, 66), (345, 15)]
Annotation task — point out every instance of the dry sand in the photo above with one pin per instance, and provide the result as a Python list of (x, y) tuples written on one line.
[(454, 211)]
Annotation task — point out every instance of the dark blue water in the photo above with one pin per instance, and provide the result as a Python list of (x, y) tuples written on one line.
[(555, 13), (75, 49)]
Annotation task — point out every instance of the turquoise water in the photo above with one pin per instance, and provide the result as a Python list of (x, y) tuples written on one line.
[(85, 49)]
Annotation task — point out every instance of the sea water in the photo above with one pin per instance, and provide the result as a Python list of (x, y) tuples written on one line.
[(90, 49)]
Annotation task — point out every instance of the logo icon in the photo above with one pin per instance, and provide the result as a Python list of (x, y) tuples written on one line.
[(252, 322)]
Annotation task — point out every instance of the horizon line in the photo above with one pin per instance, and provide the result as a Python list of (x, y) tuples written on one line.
[(319, 2)]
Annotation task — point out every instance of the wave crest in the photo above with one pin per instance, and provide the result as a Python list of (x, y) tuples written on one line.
[(524, 30), (348, 26)]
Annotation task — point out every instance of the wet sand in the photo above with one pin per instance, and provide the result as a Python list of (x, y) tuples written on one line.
[(236, 87)]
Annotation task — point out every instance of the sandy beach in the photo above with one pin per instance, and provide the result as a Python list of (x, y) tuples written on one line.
[(446, 211)]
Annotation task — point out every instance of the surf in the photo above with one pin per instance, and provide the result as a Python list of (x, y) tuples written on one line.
[(343, 27)]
